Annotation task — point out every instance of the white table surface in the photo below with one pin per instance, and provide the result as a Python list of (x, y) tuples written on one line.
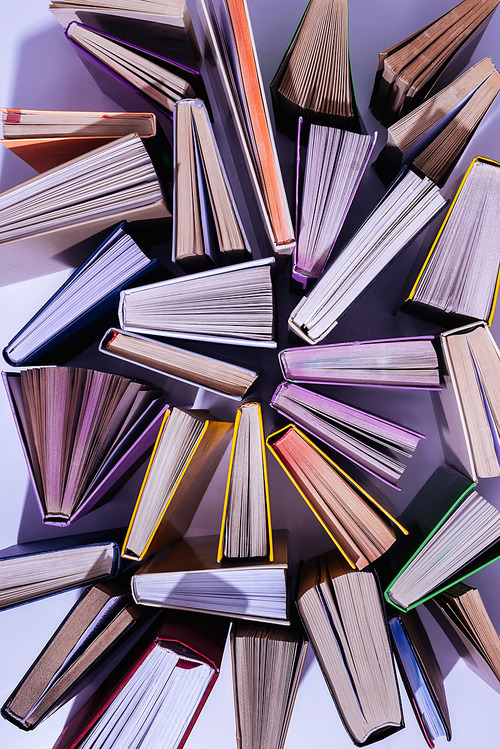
[(41, 71)]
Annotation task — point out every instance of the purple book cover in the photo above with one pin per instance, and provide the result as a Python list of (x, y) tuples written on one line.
[(311, 353)]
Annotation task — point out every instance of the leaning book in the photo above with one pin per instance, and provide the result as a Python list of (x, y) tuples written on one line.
[(342, 612), (187, 576)]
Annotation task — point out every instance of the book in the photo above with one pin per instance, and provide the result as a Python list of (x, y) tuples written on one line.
[(187, 576), (155, 696), (231, 305), (82, 432), (153, 25), (334, 166), (459, 277), (39, 220), (342, 612), (454, 533), (236, 92), (188, 449), (45, 140), (425, 61), (355, 521), (42, 568), (246, 517), (462, 613), (391, 362), (421, 676), (467, 409), (434, 135), (267, 665), (88, 296), (207, 227), (102, 618), (367, 440), (211, 374), (314, 78), (402, 213)]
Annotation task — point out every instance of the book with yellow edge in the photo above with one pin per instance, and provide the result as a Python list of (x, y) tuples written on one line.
[(341, 517), (246, 518), (460, 276), (187, 451)]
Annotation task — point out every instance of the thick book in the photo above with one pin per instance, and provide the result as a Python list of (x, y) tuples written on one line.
[(188, 449), (155, 696), (232, 305), (434, 135), (334, 166), (367, 440), (82, 433), (461, 612), (454, 532), (359, 525), (267, 666), (459, 278), (154, 25), (187, 576), (246, 517), (39, 569), (218, 376), (427, 60), (39, 220), (79, 306), (403, 212), (207, 229), (388, 362), (343, 615), (314, 78), (243, 127), (468, 407), (421, 676), (101, 620), (46, 139)]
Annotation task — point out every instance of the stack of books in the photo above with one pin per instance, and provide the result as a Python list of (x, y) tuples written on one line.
[(184, 218)]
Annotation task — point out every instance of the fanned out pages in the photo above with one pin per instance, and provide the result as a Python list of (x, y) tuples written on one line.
[(368, 440), (154, 697), (234, 68), (226, 305), (421, 676), (154, 24), (468, 407), (42, 568), (81, 431), (187, 451), (51, 212), (459, 278), (160, 80), (46, 139), (314, 78), (342, 612), (246, 518), (457, 533), (206, 223), (335, 163), (188, 576), (267, 665), (219, 376), (90, 293), (100, 620), (462, 612), (357, 524), (390, 362), (427, 60), (402, 213), (434, 135)]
